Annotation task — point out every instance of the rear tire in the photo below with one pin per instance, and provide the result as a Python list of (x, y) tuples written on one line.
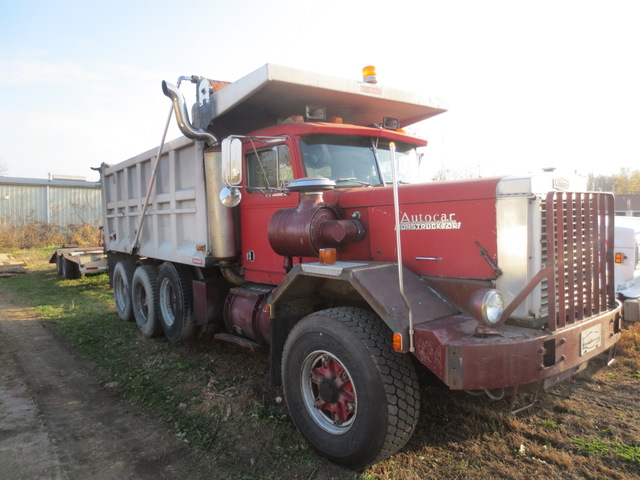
[(59, 260), (70, 270), (353, 398), (175, 300), (144, 300), (122, 280)]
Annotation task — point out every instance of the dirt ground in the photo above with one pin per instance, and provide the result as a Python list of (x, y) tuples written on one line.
[(57, 422)]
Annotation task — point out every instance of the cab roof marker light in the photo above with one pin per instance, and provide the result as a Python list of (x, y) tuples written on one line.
[(293, 119)]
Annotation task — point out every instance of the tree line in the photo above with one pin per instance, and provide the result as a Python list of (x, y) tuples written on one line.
[(626, 182)]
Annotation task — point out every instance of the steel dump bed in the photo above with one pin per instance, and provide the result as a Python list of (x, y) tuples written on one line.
[(175, 226)]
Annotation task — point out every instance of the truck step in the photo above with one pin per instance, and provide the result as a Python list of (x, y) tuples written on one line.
[(243, 342)]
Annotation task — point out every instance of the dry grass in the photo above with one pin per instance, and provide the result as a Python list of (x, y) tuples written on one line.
[(40, 234), (629, 350), (86, 235)]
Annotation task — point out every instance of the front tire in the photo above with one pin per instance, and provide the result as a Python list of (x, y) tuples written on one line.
[(144, 298), (351, 396), (175, 299)]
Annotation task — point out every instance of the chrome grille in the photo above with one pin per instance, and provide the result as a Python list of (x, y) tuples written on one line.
[(577, 246)]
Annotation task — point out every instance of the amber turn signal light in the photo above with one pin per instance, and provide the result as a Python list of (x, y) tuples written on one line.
[(397, 342), (327, 256)]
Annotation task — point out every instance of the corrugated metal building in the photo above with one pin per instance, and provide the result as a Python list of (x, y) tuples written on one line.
[(58, 201)]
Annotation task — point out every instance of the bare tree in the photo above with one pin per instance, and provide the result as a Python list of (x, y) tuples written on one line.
[(462, 173), (627, 182), (3, 168), (599, 183)]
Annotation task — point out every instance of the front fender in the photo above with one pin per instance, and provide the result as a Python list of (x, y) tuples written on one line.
[(375, 283)]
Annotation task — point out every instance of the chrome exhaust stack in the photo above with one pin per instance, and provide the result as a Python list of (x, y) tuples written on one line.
[(182, 116)]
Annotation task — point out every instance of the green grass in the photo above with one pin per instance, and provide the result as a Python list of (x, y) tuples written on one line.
[(550, 424), (602, 448)]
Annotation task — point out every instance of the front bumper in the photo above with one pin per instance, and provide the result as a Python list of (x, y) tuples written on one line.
[(519, 356)]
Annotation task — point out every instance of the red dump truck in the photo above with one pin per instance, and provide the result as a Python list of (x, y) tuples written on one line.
[(288, 218)]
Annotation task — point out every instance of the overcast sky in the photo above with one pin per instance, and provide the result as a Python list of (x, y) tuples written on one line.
[(527, 84)]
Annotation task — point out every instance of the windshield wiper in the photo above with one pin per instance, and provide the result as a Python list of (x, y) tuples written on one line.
[(402, 182), (374, 148), (360, 182)]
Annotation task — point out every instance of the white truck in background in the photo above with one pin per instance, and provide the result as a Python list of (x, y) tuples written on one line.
[(627, 265)]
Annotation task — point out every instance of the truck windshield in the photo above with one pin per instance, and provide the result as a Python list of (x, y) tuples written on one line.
[(357, 160)]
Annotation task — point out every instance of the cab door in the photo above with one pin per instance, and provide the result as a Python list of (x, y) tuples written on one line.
[(267, 173)]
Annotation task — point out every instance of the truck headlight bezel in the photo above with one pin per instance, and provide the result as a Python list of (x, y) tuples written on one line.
[(487, 306)]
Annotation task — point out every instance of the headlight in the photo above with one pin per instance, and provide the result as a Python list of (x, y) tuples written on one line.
[(487, 306)]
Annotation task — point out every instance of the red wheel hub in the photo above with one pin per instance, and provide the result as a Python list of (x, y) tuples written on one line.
[(333, 390)]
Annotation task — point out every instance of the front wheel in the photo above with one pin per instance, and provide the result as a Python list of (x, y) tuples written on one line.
[(353, 398)]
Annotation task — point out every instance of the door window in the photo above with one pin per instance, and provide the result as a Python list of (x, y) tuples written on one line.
[(268, 170)]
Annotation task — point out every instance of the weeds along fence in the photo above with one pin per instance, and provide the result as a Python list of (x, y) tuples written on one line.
[(41, 234)]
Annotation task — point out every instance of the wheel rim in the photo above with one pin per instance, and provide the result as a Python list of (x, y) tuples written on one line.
[(328, 392), (140, 297), (119, 289), (167, 302)]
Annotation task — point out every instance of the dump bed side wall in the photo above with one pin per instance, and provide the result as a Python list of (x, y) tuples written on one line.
[(175, 223)]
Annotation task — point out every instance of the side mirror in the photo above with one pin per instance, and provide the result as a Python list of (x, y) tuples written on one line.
[(232, 161), (230, 196)]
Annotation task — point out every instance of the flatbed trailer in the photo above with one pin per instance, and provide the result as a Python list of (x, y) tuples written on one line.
[(73, 262)]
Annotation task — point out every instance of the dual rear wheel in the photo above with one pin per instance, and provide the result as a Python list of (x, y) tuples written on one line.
[(159, 299), (144, 300)]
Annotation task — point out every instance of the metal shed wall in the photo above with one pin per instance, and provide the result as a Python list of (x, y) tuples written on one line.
[(23, 201)]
